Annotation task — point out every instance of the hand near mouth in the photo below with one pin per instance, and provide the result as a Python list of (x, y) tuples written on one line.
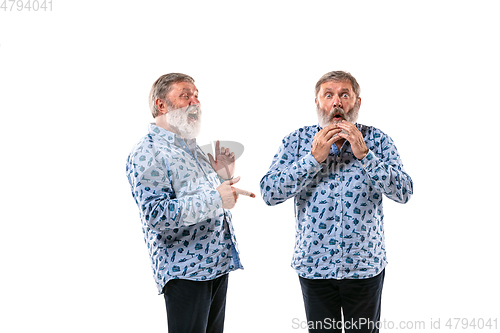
[(223, 163), (351, 133), (323, 141)]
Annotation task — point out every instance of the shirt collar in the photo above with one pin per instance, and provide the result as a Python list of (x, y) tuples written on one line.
[(159, 133)]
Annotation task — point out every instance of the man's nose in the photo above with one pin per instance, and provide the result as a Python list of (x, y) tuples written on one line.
[(193, 100), (337, 103)]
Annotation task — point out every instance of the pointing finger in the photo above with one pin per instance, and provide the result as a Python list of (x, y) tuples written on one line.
[(235, 195), (243, 192)]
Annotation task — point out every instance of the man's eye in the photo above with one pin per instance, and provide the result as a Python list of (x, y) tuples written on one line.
[(328, 95), (185, 96), (345, 96)]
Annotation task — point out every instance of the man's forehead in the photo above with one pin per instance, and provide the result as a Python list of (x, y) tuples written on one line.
[(334, 85), (189, 89), (184, 86)]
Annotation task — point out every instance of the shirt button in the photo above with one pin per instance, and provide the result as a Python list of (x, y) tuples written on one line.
[(338, 201), (338, 224)]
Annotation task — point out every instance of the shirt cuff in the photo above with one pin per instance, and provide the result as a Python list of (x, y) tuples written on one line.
[(309, 161), (369, 161), (222, 180)]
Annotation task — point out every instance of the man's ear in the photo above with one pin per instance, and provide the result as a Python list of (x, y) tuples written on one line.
[(161, 105), (316, 101), (359, 102)]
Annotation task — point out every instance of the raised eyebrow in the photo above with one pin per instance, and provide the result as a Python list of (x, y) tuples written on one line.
[(189, 91), (344, 91)]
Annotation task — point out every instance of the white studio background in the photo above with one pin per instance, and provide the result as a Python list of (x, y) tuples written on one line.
[(74, 83)]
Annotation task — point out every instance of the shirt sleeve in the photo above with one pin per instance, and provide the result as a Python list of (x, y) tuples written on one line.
[(387, 173), (159, 206), (288, 174)]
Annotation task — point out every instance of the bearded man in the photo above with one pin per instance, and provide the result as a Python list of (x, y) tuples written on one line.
[(337, 181), (183, 198)]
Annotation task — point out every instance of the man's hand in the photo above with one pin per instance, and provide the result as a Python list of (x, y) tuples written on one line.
[(230, 194), (323, 141), (353, 135), (223, 163)]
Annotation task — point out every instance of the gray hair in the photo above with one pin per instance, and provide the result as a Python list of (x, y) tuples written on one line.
[(338, 76), (162, 87)]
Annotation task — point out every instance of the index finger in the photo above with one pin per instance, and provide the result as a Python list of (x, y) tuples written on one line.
[(331, 133), (324, 131), (217, 147), (328, 128), (346, 125), (247, 193)]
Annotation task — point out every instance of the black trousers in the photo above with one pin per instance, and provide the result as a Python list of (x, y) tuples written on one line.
[(358, 300), (196, 306)]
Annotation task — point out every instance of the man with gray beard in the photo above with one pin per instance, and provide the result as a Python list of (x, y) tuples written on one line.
[(184, 199), (337, 173)]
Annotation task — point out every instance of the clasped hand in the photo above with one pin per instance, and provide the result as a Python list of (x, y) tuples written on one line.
[(332, 133)]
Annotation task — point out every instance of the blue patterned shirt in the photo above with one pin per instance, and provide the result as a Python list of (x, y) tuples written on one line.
[(188, 233), (338, 203)]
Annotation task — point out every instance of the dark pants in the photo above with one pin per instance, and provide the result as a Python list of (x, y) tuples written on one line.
[(359, 301), (196, 306)]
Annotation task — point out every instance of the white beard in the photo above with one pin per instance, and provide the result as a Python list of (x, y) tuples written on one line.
[(179, 121), (325, 119)]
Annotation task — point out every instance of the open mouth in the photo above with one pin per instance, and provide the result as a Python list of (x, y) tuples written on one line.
[(337, 117), (193, 114)]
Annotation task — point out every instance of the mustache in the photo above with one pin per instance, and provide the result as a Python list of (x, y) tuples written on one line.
[(193, 109), (334, 112)]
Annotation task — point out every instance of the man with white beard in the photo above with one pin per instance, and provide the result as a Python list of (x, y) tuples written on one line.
[(337, 173), (184, 199)]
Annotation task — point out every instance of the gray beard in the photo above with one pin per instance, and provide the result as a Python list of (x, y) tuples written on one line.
[(178, 120), (327, 119)]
